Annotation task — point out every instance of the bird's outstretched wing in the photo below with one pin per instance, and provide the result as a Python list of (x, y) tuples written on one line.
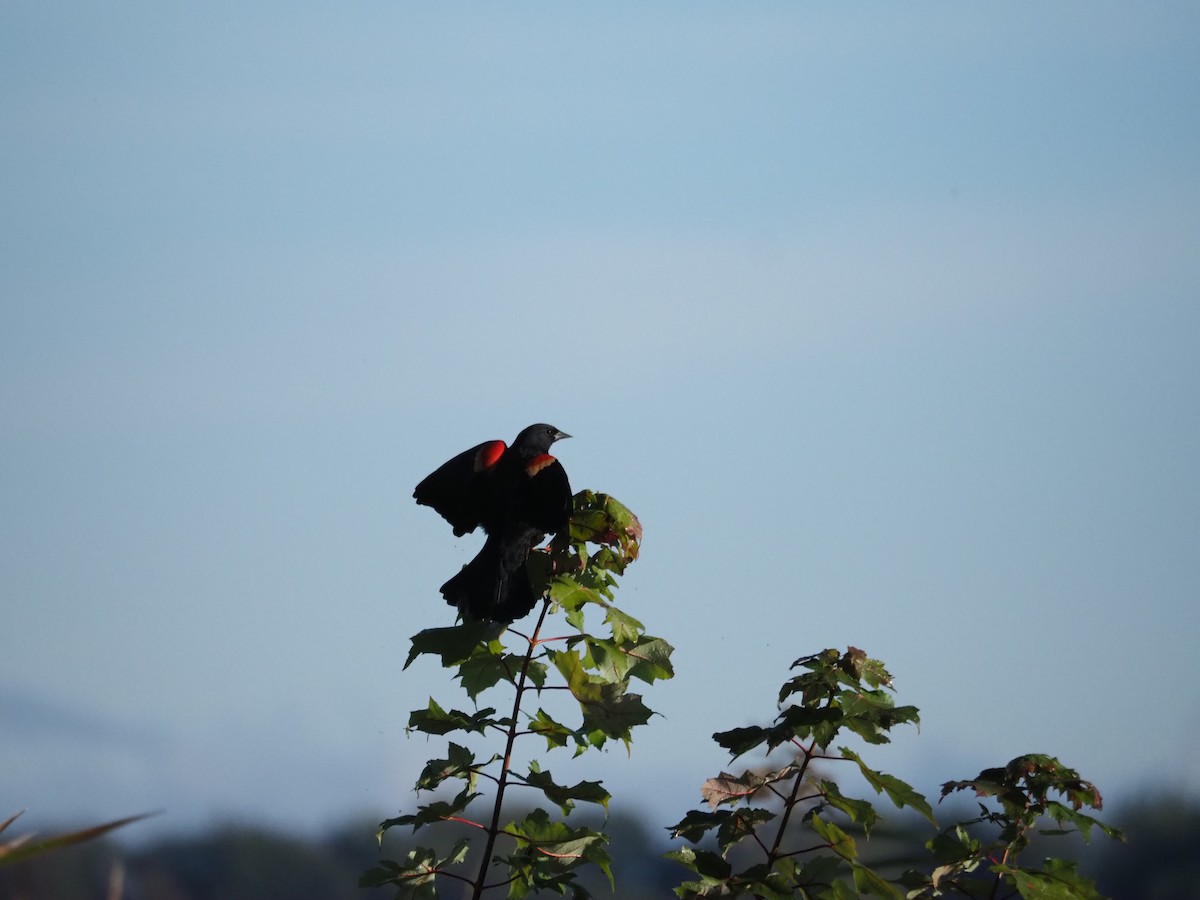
[(458, 489)]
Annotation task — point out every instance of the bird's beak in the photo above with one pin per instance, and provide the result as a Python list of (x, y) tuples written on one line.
[(559, 435)]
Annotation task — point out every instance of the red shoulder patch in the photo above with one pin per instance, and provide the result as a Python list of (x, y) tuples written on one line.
[(538, 463), (489, 455)]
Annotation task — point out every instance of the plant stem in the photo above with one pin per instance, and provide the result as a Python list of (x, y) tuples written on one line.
[(790, 804), (502, 782)]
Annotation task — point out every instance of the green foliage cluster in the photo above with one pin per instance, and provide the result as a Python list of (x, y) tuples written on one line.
[(576, 575), (849, 694), (838, 692), (782, 829)]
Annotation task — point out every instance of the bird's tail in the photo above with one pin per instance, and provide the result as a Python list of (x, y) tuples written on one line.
[(489, 588)]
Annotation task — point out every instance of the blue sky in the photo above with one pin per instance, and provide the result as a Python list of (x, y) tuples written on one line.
[(884, 320)]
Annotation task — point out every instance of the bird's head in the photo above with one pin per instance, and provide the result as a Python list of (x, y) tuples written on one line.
[(538, 438)]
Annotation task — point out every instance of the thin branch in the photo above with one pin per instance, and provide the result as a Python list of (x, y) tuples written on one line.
[(790, 804), (488, 775), (502, 782), (426, 870), (759, 841), (823, 846), (463, 821)]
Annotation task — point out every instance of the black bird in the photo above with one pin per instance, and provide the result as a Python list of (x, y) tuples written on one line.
[(518, 494)]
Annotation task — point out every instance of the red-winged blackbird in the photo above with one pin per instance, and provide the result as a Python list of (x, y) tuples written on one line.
[(518, 494)]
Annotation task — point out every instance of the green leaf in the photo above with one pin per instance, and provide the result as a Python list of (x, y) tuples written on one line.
[(435, 720), (648, 658), (1083, 823), (839, 842), (871, 714), (858, 811), (608, 661), (741, 824), (454, 643), (822, 674), (608, 712), (697, 823), (839, 890), (546, 848), (741, 740), (601, 519), (460, 763), (899, 792), (483, 670), (1059, 880), (705, 863), (800, 722), (555, 733), (861, 668), (762, 881), (438, 811), (572, 597), (868, 881), (817, 870), (652, 660), (954, 846), (565, 797), (416, 876), (625, 628), (480, 672)]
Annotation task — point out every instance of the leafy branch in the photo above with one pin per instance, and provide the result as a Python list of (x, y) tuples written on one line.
[(577, 573), (836, 692), (849, 692), (1025, 790)]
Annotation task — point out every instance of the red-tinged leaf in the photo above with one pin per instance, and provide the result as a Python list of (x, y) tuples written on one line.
[(726, 788), (601, 519)]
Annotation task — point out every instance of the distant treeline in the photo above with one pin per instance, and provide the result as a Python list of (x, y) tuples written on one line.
[(245, 862)]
